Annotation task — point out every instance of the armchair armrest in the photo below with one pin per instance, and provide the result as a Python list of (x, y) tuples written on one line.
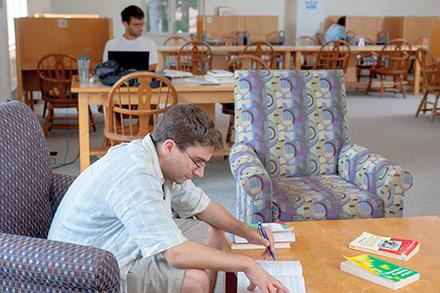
[(375, 174), (60, 185), (45, 264), (254, 186)]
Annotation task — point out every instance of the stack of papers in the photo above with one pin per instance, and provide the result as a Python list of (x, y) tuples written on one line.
[(219, 76), (177, 73), (289, 273)]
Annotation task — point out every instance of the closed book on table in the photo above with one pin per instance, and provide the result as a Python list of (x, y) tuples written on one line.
[(402, 249), (379, 271)]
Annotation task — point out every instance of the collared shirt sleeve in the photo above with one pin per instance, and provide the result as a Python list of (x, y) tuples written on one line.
[(188, 200), (137, 199)]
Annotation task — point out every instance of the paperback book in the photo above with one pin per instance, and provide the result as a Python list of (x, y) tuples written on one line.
[(379, 271), (283, 237), (402, 249)]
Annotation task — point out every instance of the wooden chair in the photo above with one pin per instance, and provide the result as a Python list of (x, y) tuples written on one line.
[(382, 37), (430, 68), (241, 62), (333, 55), (392, 61), (364, 60), (175, 40), (308, 58), (229, 40), (133, 106), (55, 72), (320, 38), (262, 50), (276, 38), (195, 57)]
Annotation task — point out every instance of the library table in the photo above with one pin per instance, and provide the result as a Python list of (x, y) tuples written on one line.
[(321, 245)]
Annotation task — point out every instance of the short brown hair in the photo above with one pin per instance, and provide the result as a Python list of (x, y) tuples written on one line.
[(187, 125)]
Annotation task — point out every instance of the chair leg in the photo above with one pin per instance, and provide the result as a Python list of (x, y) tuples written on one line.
[(370, 81), (434, 107), (48, 121), (230, 130), (402, 87), (44, 108), (381, 85), (423, 104)]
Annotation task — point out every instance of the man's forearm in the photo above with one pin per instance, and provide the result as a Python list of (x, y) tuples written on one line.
[(182, 256), (218, 217)]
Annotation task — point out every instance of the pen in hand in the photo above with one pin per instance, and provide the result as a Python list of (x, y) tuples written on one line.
[(264, 235)]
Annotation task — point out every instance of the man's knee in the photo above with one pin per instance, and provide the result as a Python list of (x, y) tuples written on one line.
[(195, 280), (214, 238)]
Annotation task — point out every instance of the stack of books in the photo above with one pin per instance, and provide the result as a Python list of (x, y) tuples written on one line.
[(379, 271), (219, 76), (283, 235)]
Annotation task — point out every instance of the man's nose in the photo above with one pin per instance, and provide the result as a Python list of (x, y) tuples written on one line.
[(199, 171)]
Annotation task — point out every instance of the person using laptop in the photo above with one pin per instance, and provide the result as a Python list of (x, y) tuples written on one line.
[(139, 203), (133, 19)]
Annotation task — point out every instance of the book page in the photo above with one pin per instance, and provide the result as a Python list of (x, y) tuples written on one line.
[(289, 273)]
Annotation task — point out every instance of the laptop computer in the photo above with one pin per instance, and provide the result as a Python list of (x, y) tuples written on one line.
[(139, 60)]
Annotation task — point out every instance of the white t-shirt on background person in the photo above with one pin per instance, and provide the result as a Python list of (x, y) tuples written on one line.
[(138, 44)]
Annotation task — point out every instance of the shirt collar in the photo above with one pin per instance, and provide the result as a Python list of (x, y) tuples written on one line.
[(147, 142)]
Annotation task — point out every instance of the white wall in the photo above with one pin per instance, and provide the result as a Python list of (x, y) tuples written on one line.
[(5, 74), (383, 7), (365, 8), (250, 7), (39, 6), (105, 8)]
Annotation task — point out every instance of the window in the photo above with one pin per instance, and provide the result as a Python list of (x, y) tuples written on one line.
[(173, 16)]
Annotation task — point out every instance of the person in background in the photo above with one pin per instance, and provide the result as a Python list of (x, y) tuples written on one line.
[(139, 203), (336, 31), (133, 19)]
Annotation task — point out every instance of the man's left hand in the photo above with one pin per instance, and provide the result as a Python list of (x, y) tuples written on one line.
[(254, 236)]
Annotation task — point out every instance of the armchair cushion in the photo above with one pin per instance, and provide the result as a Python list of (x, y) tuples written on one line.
[(322, 197), (45, 265), (60, 185), (377, 175)]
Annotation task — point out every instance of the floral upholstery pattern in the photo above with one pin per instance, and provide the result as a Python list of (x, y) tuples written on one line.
[(29, 195), (293, 159)]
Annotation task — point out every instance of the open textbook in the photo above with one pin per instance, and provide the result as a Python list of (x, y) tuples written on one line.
[(289, 273)]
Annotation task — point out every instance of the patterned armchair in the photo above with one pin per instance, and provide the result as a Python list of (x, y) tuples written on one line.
[(292, 158), (29, 195)]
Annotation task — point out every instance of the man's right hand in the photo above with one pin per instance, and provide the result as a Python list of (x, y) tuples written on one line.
[(258, 277)]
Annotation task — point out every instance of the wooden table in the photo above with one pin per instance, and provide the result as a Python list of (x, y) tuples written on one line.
[(189, 90), (295, 53), (320, 246)]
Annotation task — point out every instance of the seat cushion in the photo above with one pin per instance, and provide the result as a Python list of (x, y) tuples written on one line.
[(322, 197)]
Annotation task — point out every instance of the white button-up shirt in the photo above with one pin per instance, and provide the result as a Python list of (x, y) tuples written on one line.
[(122, 204)]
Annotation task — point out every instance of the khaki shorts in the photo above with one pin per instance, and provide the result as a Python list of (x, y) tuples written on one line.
[(154, 274)]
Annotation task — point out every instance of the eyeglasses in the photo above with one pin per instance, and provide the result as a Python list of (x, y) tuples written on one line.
[(198, 165)]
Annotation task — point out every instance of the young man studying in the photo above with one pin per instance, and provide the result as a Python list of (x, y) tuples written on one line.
[(138, 202), (133, 19)]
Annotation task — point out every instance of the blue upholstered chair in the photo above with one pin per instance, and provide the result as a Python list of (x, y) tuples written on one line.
[(29, 195), (293, 159)]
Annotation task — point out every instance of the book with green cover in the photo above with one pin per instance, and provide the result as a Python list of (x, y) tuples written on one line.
[(379, 271)]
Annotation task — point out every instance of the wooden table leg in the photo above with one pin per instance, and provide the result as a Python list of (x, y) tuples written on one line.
[(298, 60), (287, 60), (416, 78), (84, 140), (230, 282)]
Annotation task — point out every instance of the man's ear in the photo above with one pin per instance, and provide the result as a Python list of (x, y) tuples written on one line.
[(168, 146), (125, 24)]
